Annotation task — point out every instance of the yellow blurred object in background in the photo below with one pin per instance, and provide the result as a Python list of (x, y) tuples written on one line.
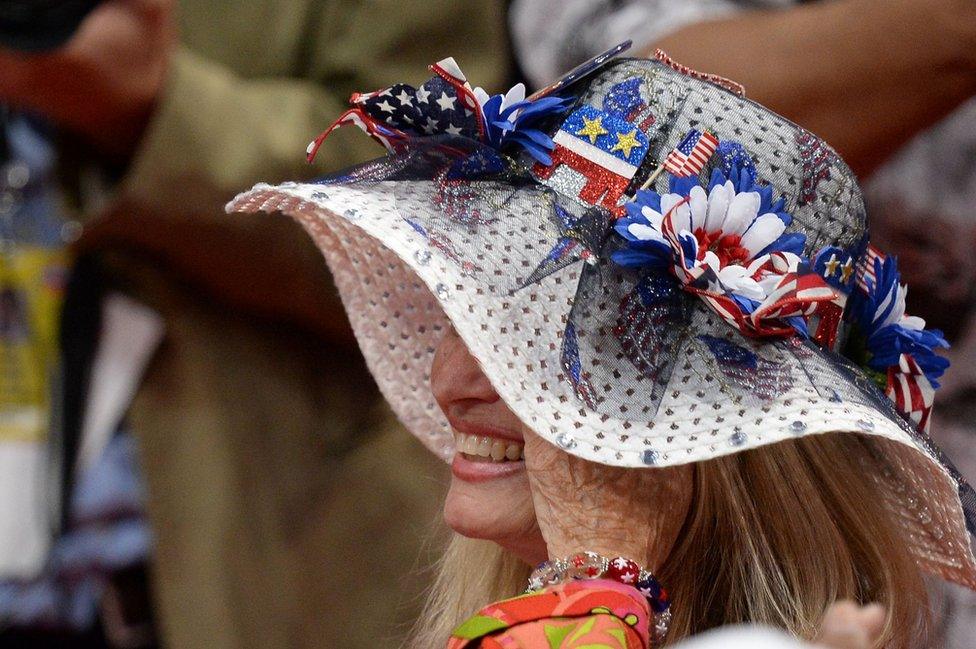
[(31, 289)]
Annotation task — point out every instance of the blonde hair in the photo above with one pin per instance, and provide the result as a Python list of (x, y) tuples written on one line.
[(774, 535)]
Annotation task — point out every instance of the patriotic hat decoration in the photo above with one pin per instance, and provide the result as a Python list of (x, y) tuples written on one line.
[(650, 268)]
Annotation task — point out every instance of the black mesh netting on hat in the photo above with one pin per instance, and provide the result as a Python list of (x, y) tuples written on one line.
[(632, 344)]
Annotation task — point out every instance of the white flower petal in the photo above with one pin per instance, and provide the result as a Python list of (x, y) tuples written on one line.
[(711, 260), (763, 231), (481, 95), (682, 217), (754, 291), (668, 201), (513, 96), (770, 282), (718, 206), (740, 284), (653, 217), (732, 273), (698, 201), (912, 322), (645, 232), (742, 212)]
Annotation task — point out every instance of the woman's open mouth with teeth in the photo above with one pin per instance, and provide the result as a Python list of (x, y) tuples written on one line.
[(481, 448)]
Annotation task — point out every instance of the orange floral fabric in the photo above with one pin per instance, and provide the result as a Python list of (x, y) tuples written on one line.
[(590, 614)]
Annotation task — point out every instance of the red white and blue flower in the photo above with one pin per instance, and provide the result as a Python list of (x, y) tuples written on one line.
[(895, 347), (887, 332), (728, 244)]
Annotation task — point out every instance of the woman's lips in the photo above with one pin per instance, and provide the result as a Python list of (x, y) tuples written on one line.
[(470, 470)]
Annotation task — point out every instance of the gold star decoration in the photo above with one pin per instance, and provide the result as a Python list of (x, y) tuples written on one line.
[(831, 265), (592, 128), (626, 142), (846, 271)]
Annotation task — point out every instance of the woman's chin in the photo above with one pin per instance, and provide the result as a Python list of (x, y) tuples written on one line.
[(497, 510)]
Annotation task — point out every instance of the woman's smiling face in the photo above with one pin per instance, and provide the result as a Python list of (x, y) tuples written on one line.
[(489, 496)]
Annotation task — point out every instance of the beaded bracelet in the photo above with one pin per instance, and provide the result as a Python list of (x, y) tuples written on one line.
[(590, 565)]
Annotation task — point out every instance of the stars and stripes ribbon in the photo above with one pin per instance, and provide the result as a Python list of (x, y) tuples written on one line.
[(795, 296), (691, 154), (389, 137), (864, 271), (447, 105), (799, 293), (911, 391), (449, 70), (444, 105)]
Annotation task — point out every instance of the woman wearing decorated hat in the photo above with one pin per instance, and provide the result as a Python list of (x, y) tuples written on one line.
[(641, 316)]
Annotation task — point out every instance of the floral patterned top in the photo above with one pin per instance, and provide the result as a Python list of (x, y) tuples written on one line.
[(595, 614)]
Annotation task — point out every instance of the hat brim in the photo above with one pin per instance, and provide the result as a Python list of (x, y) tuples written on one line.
[(407, 264)]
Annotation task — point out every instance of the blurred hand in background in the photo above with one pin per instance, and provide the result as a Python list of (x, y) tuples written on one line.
[(866, 75), (103, 83)]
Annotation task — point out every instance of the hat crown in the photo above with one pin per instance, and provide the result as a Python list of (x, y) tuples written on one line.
[(664, 105)]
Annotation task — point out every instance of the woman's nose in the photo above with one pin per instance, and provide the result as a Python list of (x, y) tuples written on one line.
[(456, 377)]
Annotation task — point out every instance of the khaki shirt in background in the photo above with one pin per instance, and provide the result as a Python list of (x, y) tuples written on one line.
[(288, 506)]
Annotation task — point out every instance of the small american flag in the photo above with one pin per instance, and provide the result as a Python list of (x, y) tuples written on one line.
[(864, 271), (691, 154)]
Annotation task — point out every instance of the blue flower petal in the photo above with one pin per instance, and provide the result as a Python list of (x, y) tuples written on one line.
[(649, 198), (747, 305), (622, 226), (765, 198), (629, 258), (793, 242), (689, 245), (718, 178), (682, 186), (800, 325)]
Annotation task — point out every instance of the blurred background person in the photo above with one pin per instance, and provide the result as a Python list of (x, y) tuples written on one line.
[(209, 351), (891, 88)]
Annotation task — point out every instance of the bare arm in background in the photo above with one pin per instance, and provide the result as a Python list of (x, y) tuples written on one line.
[(865, 75)]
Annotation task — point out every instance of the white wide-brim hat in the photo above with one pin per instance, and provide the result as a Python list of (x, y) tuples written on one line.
[(612, 362)]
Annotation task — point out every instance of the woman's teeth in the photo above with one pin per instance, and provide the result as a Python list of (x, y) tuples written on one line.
[(490, 448)]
